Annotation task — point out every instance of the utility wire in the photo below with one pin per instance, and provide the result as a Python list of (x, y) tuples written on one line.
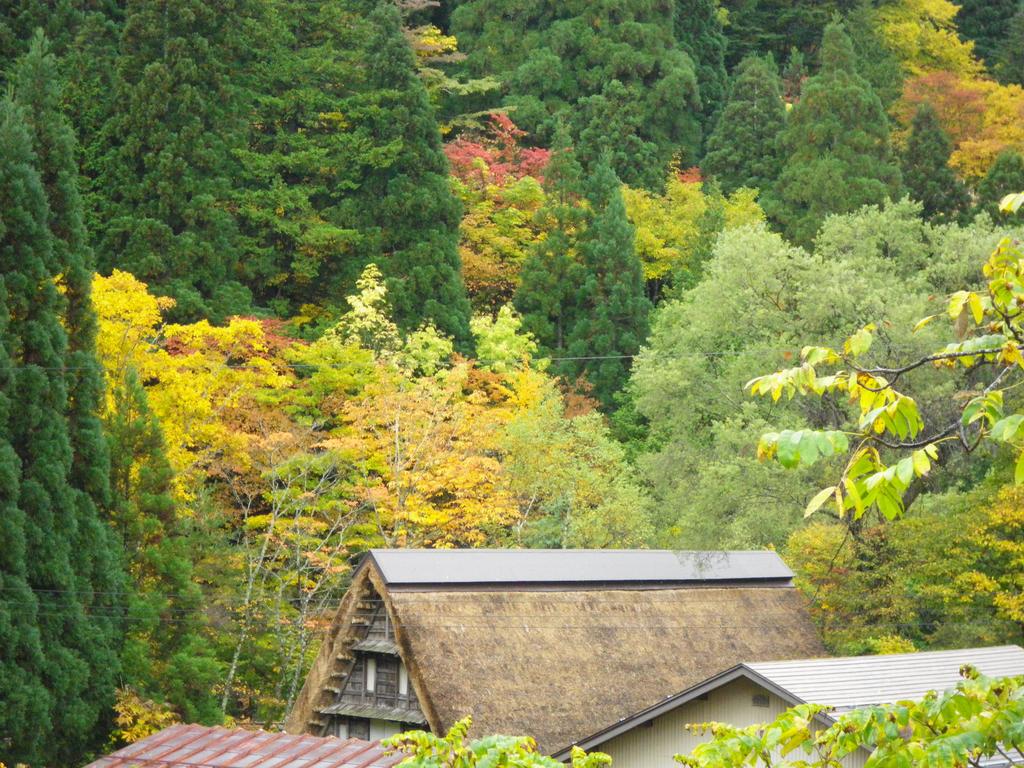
[(793, 350)]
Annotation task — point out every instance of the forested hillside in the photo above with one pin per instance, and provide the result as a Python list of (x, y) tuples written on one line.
[(284, 280)]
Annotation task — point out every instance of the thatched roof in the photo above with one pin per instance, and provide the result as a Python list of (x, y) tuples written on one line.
[(559, 661)]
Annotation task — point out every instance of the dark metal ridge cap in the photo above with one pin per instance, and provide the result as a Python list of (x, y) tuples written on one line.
[(625, 724), (577, 586)]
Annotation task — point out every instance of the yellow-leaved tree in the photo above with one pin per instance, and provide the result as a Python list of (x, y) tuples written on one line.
[(923, 35), (195, 375)]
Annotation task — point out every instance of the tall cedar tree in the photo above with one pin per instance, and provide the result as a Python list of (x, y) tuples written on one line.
[(742, 150), (167, 166), (698, 26), (760, 27), (65, 463), (836, 146), (985, 22), (26, 697), (304, 158), (1004, 177), (926, 171), (165, 657), (550, 272), (69, 559), (611, 302), (610, 70), (407, 206)]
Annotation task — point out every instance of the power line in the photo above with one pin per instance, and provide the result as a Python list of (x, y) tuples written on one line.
[(794, 351)]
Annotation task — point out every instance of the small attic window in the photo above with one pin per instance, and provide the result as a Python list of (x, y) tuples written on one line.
[(760, 700)]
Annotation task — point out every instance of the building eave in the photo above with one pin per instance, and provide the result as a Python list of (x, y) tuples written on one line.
[(740, 671)]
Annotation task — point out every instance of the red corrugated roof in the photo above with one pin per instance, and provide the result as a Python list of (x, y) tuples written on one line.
[(196, 746)]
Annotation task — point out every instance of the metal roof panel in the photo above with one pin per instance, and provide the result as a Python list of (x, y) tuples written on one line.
[(188, 746), (855, 681), (576, 566)]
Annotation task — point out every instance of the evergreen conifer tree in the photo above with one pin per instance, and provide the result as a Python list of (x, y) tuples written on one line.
[(550, 273), (985, 22), (85, 615), (926, 171), (1009, 64), (836, 146), (741, 152), (302, 158), (611, 304), (26, 698), (875, 60), (762, 27), (60, 19), (165, 173), (699, 32), (165, 657), (794, 73), (406, 206), (611, 71), (1004, 177), (69, 557)]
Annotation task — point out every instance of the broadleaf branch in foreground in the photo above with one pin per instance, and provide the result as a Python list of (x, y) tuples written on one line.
[(988, 331)]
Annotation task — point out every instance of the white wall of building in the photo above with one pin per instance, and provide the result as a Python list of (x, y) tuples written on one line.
[(653, 744)]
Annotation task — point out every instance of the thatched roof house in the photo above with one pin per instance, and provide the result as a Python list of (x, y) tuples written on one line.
[(550, 643)]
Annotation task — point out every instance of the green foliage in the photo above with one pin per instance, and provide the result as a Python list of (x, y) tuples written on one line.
[(573, 480), (162, 193), (165, 656), (742, 150), (709, 488), (609, 71), (59, 20), (836, 146), (551, 270), (985, 22), (985, 327), (499, 344), (69, 558), (1006, 176), (303, 157), (25, 716), (611, 305), (980, 718), (408, 204), (344, 168), (425, 750), (926, 171), (1009, 65), (762, 27), (699, 32), (934, 577), (876, 61)]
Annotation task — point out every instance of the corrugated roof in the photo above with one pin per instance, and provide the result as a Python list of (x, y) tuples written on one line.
[(854, 681), (419, 567), (197, 746)]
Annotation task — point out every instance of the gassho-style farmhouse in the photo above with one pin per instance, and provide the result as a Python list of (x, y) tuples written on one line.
[(613, 651), (609, 650)]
